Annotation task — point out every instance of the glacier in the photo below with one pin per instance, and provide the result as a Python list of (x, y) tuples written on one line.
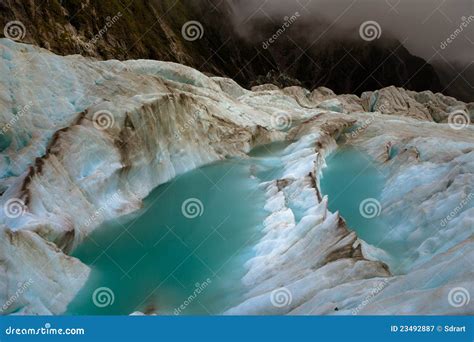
[(84, 141)]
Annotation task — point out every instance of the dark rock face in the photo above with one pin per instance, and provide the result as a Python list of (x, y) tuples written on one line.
[(143, 29), (350, 68), (458, 79), (369, 66), (153, 29), (344, 63)]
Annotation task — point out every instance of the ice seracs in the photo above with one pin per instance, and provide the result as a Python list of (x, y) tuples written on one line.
[(309, 257), (85, 141)]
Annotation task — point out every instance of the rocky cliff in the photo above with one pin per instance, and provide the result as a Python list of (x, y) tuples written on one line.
[(153, 30)]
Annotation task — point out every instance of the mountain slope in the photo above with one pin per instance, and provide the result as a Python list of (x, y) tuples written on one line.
[(153, 30)]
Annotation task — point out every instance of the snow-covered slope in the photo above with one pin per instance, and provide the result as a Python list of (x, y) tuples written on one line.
[(84, 141)]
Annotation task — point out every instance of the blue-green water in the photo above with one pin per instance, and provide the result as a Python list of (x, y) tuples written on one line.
[(172, 261), (351, 178), (162, 260)]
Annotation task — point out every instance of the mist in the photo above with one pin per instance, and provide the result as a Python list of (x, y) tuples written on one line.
[(425, 27)]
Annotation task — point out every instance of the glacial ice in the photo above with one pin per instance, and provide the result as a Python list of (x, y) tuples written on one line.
[(355, 282), (166, 119)]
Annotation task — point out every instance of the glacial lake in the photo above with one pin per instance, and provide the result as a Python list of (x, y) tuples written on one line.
[(184, 252), (354, 185), (349, 179)]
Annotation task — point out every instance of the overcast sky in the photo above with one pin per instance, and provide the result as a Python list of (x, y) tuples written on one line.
[(421, 24)]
